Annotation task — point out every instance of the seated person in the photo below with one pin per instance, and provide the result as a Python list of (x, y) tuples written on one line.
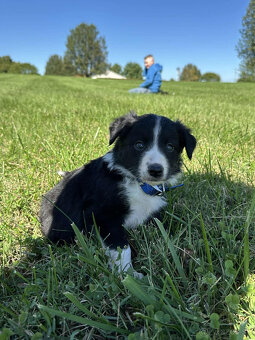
[(152, 72)]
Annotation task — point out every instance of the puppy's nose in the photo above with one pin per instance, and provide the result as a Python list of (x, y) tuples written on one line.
[(155, 170)]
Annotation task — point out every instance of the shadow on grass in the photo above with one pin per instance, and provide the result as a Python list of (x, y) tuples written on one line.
[(207, 219)]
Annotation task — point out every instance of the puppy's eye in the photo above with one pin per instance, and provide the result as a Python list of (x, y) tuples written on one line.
[(170, 147), (139, 145)]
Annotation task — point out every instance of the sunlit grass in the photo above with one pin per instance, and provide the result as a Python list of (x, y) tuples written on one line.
[(199, 275)]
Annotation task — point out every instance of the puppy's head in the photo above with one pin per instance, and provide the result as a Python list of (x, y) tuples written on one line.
[(150, 146)]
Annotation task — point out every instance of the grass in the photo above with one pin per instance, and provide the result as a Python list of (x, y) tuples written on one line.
[(199, 283)]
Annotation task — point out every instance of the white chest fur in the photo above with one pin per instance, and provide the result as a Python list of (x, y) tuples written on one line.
[(142, 206)]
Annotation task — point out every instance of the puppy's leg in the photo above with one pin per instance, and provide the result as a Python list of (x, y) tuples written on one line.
[(117, 248), (122, 259)]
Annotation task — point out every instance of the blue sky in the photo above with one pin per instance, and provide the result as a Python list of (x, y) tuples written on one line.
[(176, 32)]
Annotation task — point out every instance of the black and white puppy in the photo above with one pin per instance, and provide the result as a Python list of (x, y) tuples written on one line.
[(122, 189)]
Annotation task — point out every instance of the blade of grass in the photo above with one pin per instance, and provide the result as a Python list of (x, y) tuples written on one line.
[(138, 291), (246, 250), (54, 270), (8, 310), (207, 249), (82, 242), (82, 307), (174, 292), (84, 321), (241, 332), (93, 263), (178, 317), (169, 325), (135, 289), (173, 252)]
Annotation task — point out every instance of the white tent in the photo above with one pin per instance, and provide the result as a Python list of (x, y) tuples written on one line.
[(109, 75)]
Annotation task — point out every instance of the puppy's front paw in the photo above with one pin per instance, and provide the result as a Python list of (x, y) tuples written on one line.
[(121, 258), (137, 275), (134, 273)]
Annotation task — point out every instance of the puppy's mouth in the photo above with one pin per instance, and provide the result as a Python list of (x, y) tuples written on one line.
[(152, 181), (171, 179)]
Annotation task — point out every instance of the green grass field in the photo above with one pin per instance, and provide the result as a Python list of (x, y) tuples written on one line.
[(198, 283)]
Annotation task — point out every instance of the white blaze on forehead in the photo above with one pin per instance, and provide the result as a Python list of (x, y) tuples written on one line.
[(154, 155), (157, 130)]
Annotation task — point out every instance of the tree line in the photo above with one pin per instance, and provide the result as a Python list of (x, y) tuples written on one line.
[(189, 72), (86, 55), (57, 65), (7, 65)]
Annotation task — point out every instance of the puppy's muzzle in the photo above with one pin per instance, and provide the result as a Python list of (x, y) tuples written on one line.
[(155, 170)]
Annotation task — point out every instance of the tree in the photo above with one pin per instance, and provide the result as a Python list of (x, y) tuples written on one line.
[(190, 73), (133, 71), (210, 76), (5, 64), (246, 45), (116, 68), (54, 65), (86, 50), (68, 68), (15, 68)]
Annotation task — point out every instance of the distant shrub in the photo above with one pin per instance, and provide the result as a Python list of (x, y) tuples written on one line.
[(133, 71), (116, 68), (190, 72), (210, 76)]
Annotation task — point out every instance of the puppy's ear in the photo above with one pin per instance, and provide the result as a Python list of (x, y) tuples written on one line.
[(121, 125), (187, 140)]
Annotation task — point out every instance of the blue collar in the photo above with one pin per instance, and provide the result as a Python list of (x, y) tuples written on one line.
[(157, 190)]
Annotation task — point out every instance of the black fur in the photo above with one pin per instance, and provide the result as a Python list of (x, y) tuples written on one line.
[(121, 126), (90, 190)]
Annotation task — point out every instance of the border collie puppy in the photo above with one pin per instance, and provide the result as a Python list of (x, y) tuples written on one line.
[(122, 189)]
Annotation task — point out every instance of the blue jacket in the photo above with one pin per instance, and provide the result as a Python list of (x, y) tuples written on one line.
[(153, 78)]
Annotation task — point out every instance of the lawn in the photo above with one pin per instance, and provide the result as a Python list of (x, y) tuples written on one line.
[(199, 281)]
